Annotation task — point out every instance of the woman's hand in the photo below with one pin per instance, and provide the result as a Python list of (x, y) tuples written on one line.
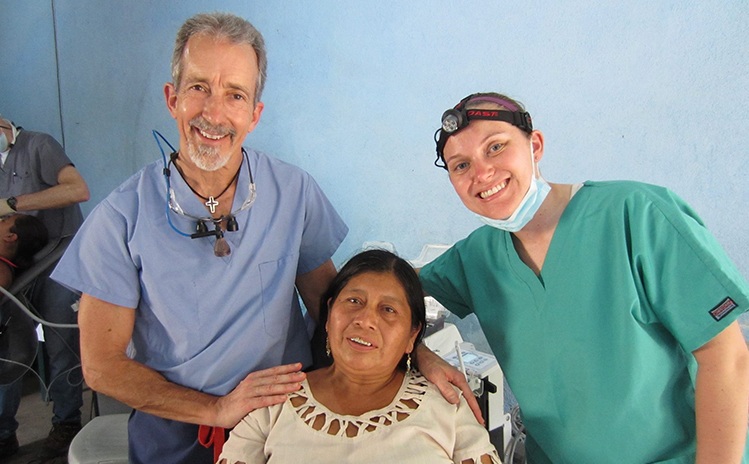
[(444, 376)]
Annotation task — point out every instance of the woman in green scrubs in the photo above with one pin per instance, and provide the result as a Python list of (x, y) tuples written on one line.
[(610, 307)]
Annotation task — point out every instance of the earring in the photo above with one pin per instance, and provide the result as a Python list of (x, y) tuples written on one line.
[(327, 346), (408, 363)]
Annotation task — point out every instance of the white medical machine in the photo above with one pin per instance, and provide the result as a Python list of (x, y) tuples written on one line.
[(481, 369)]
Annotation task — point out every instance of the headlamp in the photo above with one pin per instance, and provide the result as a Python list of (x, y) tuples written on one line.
[(455, 119), (451, 121)]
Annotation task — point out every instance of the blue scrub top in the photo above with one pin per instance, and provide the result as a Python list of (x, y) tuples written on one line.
[(202, 321)]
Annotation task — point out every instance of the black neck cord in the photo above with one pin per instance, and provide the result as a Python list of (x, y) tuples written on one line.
[(211, 198)]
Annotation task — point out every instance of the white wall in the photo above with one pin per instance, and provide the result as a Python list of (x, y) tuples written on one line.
[(652, 91)]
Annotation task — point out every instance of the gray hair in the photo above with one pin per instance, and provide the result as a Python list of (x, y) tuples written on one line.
[(221, 26)]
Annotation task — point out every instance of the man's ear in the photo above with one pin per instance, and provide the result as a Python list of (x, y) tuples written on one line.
[(256, 112), (170, 95)]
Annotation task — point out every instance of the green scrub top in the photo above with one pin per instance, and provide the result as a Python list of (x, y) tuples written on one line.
[(597, 348)]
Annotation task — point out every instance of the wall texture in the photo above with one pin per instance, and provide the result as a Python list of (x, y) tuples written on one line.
[(652, 91)]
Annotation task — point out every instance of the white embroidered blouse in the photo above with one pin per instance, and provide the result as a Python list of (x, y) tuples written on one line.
[(419, 426)]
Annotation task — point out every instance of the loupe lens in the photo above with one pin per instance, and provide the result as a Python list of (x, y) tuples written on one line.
[(232, 225)]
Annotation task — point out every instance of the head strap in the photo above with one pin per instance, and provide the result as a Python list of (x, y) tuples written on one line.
[(456, 119)]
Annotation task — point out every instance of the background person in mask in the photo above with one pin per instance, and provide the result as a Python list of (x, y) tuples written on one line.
[(610, 307), (38, 178)]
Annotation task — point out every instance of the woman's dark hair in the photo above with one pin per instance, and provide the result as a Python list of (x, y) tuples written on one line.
[(384, 262), (32, 236)]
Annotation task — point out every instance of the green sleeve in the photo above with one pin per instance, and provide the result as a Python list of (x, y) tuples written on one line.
[(690, 284)]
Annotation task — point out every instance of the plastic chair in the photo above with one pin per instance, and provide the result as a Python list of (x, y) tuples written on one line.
[(103, 440)]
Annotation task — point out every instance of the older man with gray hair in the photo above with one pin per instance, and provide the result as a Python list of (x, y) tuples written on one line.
[(200, 268)]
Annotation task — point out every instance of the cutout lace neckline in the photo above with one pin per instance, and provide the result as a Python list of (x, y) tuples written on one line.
[(321, 419)]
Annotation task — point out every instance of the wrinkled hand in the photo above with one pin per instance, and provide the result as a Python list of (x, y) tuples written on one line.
[(4, 208), (444, 376), (258, 390)]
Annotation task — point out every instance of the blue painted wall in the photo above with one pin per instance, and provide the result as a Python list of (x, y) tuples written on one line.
[(653, 91)]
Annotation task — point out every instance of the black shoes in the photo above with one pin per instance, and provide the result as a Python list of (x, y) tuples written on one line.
[(8, 446), (55, 446), (57, 443)]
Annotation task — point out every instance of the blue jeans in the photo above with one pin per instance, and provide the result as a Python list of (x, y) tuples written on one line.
[(53, 302)]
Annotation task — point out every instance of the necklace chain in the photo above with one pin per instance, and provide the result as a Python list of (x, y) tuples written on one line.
[(210, 202)]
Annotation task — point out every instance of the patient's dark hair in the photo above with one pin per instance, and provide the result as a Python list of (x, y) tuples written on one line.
[(384, 262), (32, 236)]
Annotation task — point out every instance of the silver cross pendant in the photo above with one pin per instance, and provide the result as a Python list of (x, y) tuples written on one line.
[(211, 204)]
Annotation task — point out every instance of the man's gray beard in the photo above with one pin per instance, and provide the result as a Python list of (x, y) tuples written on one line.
[(206, 158)]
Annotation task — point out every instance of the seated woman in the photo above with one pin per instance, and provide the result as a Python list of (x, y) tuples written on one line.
[(21, 237), (369, 405)]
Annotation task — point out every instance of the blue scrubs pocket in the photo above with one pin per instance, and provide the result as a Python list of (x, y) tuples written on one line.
[(279, 297)]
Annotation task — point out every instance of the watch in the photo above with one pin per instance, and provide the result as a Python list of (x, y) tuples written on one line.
[(12, 203)]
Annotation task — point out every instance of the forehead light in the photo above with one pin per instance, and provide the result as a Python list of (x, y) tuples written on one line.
[(450, 123)]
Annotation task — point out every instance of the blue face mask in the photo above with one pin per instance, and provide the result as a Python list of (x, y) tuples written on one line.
[(529, 205)]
